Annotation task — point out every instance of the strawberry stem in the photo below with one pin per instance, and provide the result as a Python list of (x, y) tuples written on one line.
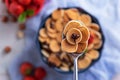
[(23, 16)]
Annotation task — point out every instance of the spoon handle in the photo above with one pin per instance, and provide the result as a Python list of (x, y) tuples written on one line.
[(75, 72)]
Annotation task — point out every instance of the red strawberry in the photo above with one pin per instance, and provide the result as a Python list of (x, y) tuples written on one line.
[(91, 39), (26, 68), (29, 78), (38, 2), (24, 2), (16, 9), (13, 0), (40, 73), (32, 7)]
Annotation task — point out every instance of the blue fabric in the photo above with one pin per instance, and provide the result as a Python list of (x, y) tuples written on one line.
[(108, 14)]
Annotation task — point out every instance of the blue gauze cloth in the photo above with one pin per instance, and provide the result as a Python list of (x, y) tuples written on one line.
[(108, 14)]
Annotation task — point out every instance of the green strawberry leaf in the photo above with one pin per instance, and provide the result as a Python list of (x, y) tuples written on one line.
[(22, 17), (30, 12)]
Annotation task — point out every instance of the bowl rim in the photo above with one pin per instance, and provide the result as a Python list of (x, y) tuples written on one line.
[(94, 19), (7, 3)]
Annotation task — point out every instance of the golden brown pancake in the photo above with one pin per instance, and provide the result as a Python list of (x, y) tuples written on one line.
[(92, 54), (85, 34), (74, 36), (42, 33), (86, 19), (94, 26), (54, 46), (72, 24), (65, 46), (50, 25), (84, 62), (59, 26), (82, 47), (57, 14)]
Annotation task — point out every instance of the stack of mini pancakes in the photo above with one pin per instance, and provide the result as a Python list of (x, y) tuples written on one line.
[(50, 37), (76, 36)]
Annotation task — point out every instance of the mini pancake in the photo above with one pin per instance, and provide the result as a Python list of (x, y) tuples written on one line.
[(64, 56), (93, 54), (59, 37), (59, 26), (65, 46), (50, 25), (73, 36), (96, 33), (86, 19), (96, 41), (57, 14), (64, 68), (85, 34), (98, 45), (45, 53), (54, 46), (72, 24), (54, 60), (94, 26), (48, 40), (75, 10), (65, 20), (52, 35), (41, 39), (42, 33), (72, 14), (90, 46), (81, 47), (84, 62), (65, 17)]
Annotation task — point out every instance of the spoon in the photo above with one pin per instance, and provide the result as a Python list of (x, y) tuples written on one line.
[(75, 58)]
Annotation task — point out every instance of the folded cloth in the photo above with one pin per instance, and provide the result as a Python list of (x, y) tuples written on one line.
[(108, 14)]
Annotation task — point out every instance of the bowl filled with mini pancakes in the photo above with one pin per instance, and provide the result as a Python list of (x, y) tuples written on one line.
[(83, 33)]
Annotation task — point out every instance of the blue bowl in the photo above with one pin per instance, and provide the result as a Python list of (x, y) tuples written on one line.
[(94, 20)]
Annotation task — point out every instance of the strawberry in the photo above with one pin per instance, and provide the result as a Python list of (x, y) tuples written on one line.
[(29, 78), (40, 73), (16, 9), (32, 7), (24, 2), (38, 2), (13, 0), (26, 68), (91, 39)]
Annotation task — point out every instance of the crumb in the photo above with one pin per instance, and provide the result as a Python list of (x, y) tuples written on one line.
[(4, 19), (13, 19), (20, 34), (22, 27), (7, 49)]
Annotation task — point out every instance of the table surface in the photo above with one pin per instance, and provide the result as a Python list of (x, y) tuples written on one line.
[(8, 37)]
